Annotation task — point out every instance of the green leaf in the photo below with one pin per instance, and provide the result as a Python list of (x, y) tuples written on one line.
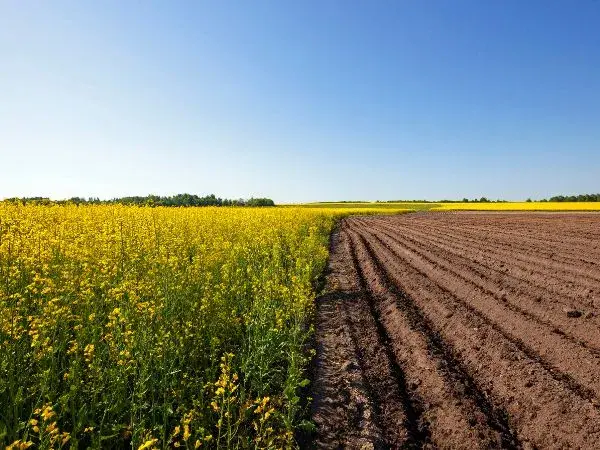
[(304, 383)]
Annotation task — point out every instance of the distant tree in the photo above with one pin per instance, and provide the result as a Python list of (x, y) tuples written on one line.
[(576, 198), (260, 202), (77, 200), (179, 200)]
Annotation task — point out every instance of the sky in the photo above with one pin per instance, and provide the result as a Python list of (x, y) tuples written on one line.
[(300, 100)]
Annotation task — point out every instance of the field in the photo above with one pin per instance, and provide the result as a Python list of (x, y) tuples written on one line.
[(519, 206), (384, 207), (374, 207), (466, 330), (155, 327), (125, 326)]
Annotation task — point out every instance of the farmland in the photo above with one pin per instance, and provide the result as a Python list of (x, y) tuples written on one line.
[(461, 331), (156, 327), (374, 207), (518, 206), (390, 207)]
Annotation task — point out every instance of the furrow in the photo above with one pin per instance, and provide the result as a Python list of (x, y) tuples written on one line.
[(394, 383), (547, 276), (504, 247), (486, 256), (585, 334), (460, 415), (573, 365), (547, 408)]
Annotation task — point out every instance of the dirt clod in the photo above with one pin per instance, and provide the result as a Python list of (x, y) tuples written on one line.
[(573, 313)]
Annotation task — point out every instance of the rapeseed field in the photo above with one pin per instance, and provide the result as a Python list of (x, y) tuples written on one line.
[(156, 327)]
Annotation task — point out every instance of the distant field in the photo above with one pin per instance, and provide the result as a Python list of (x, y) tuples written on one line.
[(373, 205), (519, 206)]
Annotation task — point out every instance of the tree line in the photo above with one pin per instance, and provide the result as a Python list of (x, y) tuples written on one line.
[(464, 200), (575, 198), (556, 198), (150, 200)]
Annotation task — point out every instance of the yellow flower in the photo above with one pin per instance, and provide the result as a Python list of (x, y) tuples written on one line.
[(148, 444), (120, 277), (88, 351), (48, 413), (186, 432), (19, 445)]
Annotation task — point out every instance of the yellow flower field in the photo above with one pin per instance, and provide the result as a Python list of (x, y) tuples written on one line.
[(519, 206), (156, 327)]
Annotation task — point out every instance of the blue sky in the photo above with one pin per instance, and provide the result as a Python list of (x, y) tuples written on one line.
[(300, 100)]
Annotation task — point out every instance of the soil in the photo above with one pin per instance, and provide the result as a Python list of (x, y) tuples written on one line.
[(460, 330)]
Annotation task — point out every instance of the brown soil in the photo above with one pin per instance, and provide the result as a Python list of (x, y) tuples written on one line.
[(460, 331)]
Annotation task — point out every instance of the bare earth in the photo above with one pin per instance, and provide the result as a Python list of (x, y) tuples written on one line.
[(460, 331)]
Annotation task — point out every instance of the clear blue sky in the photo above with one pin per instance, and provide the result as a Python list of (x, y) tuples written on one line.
[(300, 100)]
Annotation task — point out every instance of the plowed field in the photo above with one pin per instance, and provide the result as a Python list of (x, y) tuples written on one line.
[(460, 331)]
